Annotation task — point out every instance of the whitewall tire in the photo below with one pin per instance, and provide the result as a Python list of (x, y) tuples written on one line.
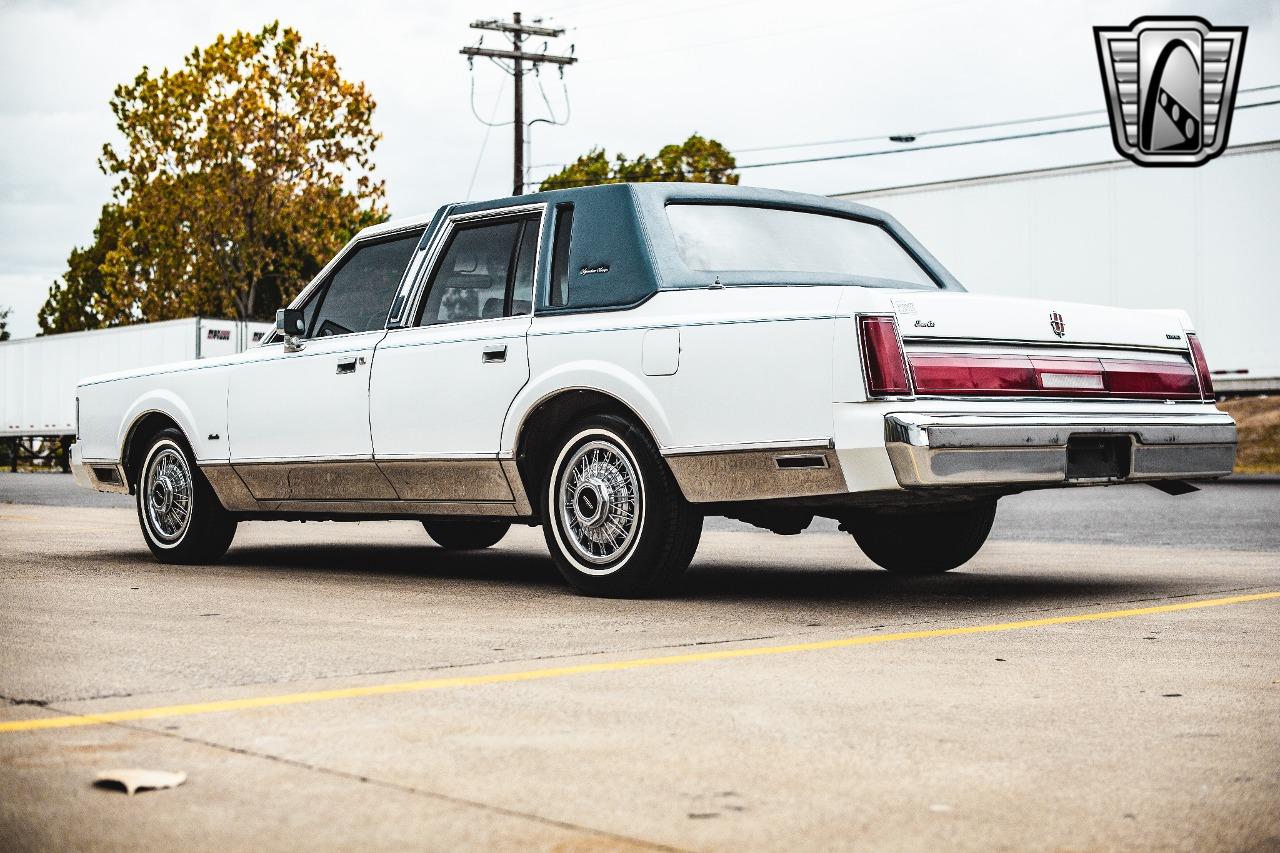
[(614, 518), (180, 515)]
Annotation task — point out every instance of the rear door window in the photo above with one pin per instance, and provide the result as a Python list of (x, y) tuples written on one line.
[(486, 271)]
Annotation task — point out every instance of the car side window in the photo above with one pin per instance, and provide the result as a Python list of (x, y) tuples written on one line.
[(522, 286), (486, 271), (358, 295), (559, 293)]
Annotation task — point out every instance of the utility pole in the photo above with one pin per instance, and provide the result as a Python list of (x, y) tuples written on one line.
[(517, 30)]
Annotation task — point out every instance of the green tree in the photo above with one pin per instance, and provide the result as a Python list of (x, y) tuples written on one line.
[(4, 323), (239, 175), (697, 160)]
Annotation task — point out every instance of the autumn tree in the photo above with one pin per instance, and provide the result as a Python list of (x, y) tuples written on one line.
[(696, 160), (78, 300), (239, 175)]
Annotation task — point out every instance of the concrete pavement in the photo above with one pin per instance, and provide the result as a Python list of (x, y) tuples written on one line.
[(1137, 731)]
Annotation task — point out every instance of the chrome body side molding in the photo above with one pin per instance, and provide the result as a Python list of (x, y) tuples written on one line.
[(520, 499), (227, 484), (758, 474), (315, 480), (448, 479), (496, 509), (436, 486)]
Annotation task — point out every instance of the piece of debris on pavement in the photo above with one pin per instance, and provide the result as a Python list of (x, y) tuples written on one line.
[(133, 779)]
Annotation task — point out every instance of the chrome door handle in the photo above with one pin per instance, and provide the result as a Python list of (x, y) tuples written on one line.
[(494, 355), (346, 367)]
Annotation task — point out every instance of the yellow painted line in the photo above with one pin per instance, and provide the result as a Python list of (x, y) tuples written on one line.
[(71, 721)]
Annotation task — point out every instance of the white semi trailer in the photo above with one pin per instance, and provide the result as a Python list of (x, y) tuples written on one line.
[(38, 376), (1203, 239)]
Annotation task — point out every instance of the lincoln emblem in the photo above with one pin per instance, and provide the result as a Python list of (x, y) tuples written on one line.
[(1055, 323)]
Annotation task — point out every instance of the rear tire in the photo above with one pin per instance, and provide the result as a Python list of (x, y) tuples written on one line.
[(180, 515), (613, 515), (923, 542), (465, 534)]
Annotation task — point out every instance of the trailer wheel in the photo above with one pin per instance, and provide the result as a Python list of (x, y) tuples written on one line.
[(180, 515)]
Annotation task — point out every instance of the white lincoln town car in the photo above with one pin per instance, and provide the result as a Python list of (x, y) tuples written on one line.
[(615, 363)]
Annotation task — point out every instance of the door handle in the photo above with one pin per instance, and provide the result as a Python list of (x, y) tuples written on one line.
[(494, 355), (347, 366)]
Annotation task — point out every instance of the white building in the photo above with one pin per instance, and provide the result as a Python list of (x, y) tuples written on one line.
[(1205, 239)]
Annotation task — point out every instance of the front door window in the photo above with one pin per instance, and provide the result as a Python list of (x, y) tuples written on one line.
[(358, 295)]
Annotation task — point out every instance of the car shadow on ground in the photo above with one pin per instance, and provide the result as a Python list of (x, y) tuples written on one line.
[(967, 585), (708, 580)]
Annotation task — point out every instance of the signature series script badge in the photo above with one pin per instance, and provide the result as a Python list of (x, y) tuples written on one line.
[(1170, 84)]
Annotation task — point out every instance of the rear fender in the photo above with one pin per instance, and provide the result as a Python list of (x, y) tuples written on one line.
[(601, 376)]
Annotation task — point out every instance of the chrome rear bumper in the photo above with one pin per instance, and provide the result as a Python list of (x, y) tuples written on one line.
[(987, 450)]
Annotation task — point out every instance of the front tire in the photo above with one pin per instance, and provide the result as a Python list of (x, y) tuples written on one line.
[(180, 515), (614, 518), (465, 535), (923, 542)]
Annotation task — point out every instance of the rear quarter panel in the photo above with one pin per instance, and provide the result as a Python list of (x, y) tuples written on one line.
[(754, 364)]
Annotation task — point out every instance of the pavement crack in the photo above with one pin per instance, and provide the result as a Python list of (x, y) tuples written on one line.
[(44, 703), (397, 786)]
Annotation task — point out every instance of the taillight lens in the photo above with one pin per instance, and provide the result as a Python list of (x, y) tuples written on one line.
[(1202, 367), (1151, 380), (956, 374), (982, 375), (883, 362)]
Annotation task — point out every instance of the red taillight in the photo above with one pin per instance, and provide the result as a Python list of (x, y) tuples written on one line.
[(1202, 367), (883, 363), (1158, 380), (956, 374), (979, 374)]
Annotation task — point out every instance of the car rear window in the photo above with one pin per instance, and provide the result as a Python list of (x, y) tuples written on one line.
[(740, 238)]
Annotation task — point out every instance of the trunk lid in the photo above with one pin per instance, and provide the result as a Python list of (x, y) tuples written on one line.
[(953, 316)]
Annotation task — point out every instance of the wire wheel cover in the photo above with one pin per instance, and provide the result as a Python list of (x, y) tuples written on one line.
[(168, 494), (599, 502)]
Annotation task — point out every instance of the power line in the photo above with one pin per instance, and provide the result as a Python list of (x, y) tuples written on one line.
[(488, 127), (957, 144), (955, 129), (882, 152), (517, 32)]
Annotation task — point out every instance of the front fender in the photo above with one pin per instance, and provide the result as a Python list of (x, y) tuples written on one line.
[(164, 402)]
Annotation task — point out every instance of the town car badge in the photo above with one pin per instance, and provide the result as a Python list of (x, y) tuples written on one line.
[(1056, 323), (1170, 84)]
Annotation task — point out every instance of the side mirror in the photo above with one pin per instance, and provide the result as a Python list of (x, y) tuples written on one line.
[(291, 323)]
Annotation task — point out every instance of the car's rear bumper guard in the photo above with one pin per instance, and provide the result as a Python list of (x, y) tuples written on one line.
[(985, 450)]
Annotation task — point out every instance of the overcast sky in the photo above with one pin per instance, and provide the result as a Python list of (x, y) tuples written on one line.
[(750, 73)]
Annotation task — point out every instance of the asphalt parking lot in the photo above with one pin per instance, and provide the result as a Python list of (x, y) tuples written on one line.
[(1104, 675)]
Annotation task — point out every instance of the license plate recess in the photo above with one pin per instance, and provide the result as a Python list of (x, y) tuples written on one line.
[(1099, 457)]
